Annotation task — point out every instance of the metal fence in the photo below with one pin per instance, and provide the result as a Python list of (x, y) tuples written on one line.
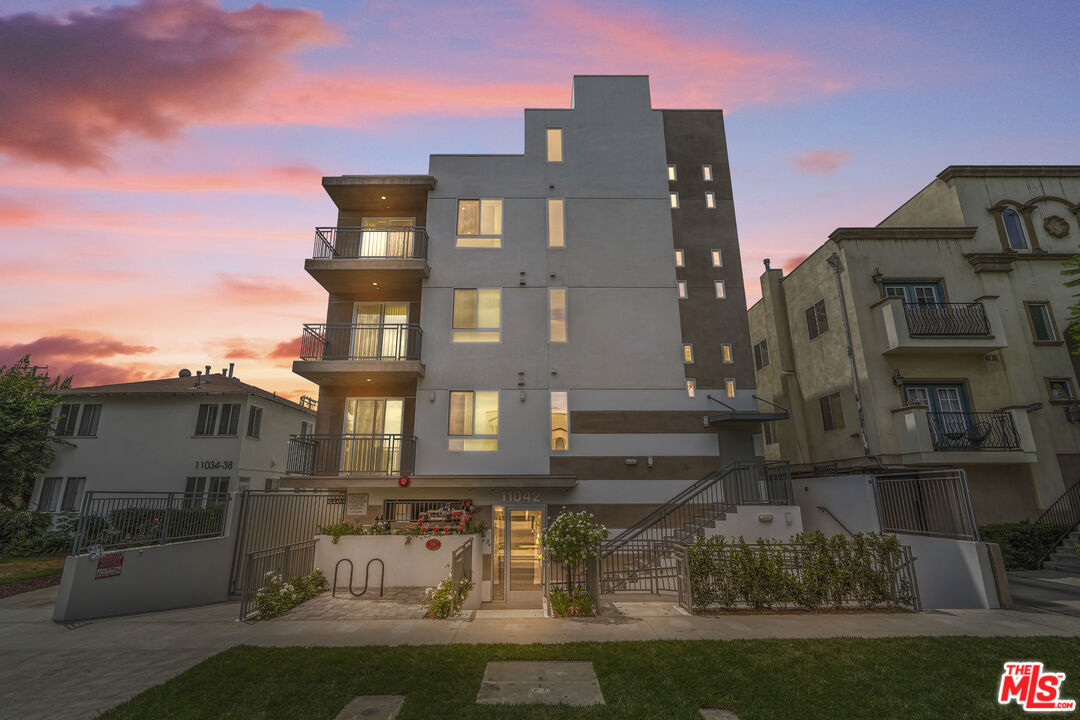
[(973, 431), (344, 455), (370, 242), (124, 519), (1058, 520), (274, 519), (641, 566), (361, 341), (946, 319), (290, 561), (411, 510), (583, 576), (935, 503), (460, 571)]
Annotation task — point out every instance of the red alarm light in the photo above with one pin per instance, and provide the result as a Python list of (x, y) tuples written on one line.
[(403, 481)]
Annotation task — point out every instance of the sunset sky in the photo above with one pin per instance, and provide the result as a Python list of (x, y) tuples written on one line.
[(160, 161)]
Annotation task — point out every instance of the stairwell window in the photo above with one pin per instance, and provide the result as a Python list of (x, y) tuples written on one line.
[(721, 291), (817, 321), (556, 223), (479, 224), (557, 315), (687, 353), (717, 258), (680, 259), (832, 412), (761, 355), (474, 420), (477, 315), (674, 196), (691, 387), (682, 289), (729, 387), (671, 175), (710, 200), (254, 426), (727, 355), (560, 420), (554, 144), (706, 173)]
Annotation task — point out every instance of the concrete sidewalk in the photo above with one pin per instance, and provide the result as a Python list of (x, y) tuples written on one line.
[(77, 670)]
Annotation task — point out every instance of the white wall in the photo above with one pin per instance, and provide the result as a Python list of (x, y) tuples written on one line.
[(849, 497), (751, 522), (952, 573)]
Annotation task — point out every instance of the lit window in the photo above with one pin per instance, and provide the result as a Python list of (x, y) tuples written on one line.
[(560, 420), (726, 354), (706, 173), (721, 293), (832, 412), (254, 425), (557, 314), (476, 315), (1014, 229), (682, 289), (671, 172), (817, 322), (1042, 327), (717, 259), (554, 144), (687, 353), (761, 355), (691, 387), (710, 200), (729, 387), (680, 260), (474, 420), (556, 237), (674, 199), (479, 224)]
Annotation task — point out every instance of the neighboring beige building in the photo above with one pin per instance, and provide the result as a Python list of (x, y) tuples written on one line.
[(957, 315)]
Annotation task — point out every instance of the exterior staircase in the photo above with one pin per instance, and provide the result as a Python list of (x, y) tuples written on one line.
[(1064, 558), (1063, 515)]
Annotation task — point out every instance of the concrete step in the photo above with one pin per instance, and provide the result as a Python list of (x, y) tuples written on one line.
[(1071, 568)]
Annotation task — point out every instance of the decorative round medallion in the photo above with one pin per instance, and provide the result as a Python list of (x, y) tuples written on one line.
[(433, 544), (1056, 226)]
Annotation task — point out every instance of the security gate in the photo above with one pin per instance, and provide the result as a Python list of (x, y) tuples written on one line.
[(270, 519)]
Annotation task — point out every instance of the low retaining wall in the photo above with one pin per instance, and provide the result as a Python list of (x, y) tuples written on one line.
[(409, 564), (751, 522), (953, 573), (156, 577)]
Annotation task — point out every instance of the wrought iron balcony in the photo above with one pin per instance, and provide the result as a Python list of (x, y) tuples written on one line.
[(946, 319), (375, 243), (353, 341), (351, 455), (973, 431)]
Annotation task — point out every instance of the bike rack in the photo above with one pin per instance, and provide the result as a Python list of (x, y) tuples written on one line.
[(367, 576)]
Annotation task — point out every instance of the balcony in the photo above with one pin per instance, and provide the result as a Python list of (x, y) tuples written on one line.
[(971, 327), (349, 354), (945, 438), (354, 259), (351, 455)]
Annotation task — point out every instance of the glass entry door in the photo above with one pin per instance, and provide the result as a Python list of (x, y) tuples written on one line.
[(516, 569)]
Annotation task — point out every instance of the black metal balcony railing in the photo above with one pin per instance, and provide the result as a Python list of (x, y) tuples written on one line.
[(345, 341), (948, 319), (357, 455), (968, 431), (370, 242)]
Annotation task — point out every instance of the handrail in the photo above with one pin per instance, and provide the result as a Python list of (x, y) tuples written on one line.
[(676, 501), (361, 341), (367, 577), (973, 431), (1063, 512), (946, 319), (839, 522), (370, 243)]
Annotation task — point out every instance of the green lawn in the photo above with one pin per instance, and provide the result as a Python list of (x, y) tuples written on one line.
[(775, 679), (17, 569)]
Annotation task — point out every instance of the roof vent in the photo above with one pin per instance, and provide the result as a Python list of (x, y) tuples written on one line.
[(185, 373)]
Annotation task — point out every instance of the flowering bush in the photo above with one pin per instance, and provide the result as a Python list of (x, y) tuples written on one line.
[(440, 600), (572, 538), (278, 597)]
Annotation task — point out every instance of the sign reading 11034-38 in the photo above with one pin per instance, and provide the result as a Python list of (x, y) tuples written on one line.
[(213, 464)]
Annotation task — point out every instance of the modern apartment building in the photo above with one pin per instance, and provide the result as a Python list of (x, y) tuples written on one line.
[(205, 434), (527, 332), (936, 339)]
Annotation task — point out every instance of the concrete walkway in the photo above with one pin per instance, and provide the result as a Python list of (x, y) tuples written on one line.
[(74, 671)]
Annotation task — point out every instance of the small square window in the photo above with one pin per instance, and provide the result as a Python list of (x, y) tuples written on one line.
[(671, 173), (479, 224), (729, 387), (706, 173), (691, 387), (554, 144), (717, 259), (721, 293), (687, 353), (1061, 390), (674, 200), (710, 200), (727, 356), (476, 315), (680, 260), (682, 289)]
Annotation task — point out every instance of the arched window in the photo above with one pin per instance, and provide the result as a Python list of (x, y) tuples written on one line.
[(1014, 229)]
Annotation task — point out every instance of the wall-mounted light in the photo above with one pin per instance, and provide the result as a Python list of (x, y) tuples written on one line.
[(897, 378), (877, 276)]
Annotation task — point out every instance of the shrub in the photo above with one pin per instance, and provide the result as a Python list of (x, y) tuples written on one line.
[(572, 538), (576, 603), (29, 532), (441, 599), (278, 597), (1022, 544)]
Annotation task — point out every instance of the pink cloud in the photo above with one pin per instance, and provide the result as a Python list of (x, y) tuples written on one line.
[(73, 87), (790, 263), (298, 179), (286, 349), (259, 290), (820, 162), (241, 348), (81, 358), (12, 213)]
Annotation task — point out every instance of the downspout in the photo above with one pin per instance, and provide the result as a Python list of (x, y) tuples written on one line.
[(834, 263)]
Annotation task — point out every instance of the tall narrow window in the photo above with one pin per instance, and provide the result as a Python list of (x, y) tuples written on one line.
[(710, 200), (554, 144), (89, 422), (49, 499), (207, 419), (674, 199), (687, 353), (556, 234), (691, 387), (476, 315), (474, 420), (254, 426), (1014, 229), (680, 259), (817, 322), (479, 224), (557, 314), (832, 412), (66, 421), (761, 355), (717, 259), (729, 387), (682, 289), (671, 173), (727, 356), (230, 419), (73, 493), (721, 293), (1042, 326), (560, 420), (706, 173)]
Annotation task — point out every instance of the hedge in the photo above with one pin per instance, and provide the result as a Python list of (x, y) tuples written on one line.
[(1022, 544)]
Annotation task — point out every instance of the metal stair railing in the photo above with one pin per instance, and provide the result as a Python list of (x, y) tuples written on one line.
[(1064, 514)]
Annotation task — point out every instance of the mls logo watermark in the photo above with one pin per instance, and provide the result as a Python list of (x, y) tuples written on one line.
[(1032, 688)]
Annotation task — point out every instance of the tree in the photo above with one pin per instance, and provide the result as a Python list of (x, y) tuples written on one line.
[(573, 538), (1071, 268), (27, 400)]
